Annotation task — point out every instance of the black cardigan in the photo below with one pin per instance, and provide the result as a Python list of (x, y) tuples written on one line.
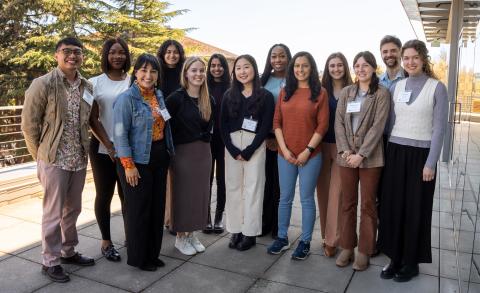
[(187, 123), (229, 124)]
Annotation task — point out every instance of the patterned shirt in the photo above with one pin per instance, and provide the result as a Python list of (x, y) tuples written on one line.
[(70, 153)]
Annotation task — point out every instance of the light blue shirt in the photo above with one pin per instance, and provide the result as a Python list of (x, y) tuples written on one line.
[(386, 82), (274, 85)]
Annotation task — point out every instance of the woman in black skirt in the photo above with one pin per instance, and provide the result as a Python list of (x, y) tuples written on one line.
[(418, 120)]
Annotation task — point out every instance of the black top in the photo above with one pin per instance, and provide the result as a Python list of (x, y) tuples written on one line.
[(187, 123), (217, 90), (230, 123), (332, 106), (171, 80)]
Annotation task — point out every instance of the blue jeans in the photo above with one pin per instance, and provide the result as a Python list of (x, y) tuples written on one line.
[(308, 175)]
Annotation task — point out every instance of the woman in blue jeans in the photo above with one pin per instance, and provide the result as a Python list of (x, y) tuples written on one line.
[(305, 103)]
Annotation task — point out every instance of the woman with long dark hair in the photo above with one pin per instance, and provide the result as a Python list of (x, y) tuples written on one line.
[(171, 56), (143, 142), (417, 121), (106, 88), (301, 121), (218, 80), (192, 113), (336, 76), (361, 115), (246, 120), (273, 80)]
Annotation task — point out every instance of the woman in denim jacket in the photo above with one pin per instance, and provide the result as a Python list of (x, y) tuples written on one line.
[(143, 140)]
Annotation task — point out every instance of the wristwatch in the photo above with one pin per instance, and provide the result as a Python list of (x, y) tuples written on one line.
[(310, 149)]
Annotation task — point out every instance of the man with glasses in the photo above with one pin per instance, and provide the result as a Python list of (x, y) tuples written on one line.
[(55, 121)]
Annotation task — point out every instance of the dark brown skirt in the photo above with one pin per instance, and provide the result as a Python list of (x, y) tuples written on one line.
[(191, 168)]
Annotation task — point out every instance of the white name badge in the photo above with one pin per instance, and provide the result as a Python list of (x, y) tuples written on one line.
[(166, 116), (87, 97), (353, 107), (249, 124), (404, 97)]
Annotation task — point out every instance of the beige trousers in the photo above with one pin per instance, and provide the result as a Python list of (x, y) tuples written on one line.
[(62, 203), (329, 195), (245, 183)]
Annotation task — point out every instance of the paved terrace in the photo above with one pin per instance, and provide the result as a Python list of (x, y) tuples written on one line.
[(218, 269)]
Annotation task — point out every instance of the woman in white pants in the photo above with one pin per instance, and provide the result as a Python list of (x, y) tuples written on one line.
[(246, 120)]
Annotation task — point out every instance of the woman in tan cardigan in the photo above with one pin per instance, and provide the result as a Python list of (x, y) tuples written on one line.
[(361, 115)]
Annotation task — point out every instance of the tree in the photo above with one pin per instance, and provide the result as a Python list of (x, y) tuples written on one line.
[(34, 26)]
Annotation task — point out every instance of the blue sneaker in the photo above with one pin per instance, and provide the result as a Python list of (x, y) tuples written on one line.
[(279, 245), (302, 251)]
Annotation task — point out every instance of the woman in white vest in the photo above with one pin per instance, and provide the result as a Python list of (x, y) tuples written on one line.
[(417, 121)]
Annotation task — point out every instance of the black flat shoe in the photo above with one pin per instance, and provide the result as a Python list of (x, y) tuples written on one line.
[(208, 229), (218, 223), (148, 268), (78, 259), (406, 273), (247, 243), (389, 271), (159, 263), (56, 273), (111, 253), (235, 239)]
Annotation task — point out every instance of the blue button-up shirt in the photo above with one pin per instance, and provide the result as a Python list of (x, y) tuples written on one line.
[(386, 82)]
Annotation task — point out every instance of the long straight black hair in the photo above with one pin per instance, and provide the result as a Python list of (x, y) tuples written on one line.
[(267, 71), (313, 80), (234, 93), (225, 79)]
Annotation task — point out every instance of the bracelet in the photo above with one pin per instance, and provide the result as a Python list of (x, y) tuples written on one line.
[(310, 149)]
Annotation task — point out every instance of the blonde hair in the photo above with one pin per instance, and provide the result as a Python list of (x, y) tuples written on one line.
[(204, 99)]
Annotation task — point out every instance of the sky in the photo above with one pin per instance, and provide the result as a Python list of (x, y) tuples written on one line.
[(320, 27)]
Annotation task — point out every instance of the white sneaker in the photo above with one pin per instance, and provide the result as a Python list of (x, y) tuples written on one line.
[(197, 245), (184, 246)]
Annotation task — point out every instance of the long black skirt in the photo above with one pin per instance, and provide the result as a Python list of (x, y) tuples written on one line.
[(406, 209)]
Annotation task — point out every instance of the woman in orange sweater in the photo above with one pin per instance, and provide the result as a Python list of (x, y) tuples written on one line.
[(305, 103)]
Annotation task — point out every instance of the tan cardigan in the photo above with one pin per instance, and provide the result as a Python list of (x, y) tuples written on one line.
[(367, 140), (44, 112)]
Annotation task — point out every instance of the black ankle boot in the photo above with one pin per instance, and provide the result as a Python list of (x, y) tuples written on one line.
[(389, 271), (235, 239), (247, 243), (218, 223), (406, 273), (209, 228)]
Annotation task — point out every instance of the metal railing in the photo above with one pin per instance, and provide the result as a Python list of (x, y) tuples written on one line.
[(13, 149)]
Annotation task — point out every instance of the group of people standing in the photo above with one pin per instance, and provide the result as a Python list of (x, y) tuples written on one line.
[(163, 133)]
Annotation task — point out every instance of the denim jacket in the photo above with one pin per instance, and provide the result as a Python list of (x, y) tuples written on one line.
[(133, 122)]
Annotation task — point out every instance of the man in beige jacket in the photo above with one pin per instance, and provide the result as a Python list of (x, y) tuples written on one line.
[(55, 126)]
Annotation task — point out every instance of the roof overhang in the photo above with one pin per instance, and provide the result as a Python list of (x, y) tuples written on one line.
[(430, 19)]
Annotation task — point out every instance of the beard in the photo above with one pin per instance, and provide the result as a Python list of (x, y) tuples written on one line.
[(389, 64)]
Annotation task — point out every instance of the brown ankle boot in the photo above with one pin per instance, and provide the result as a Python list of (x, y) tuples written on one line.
[(344, 257), (361, 262)]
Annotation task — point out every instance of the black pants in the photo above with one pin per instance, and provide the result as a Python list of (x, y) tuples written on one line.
[(218, 161), (105, 178), (145, 207), (271, 196)]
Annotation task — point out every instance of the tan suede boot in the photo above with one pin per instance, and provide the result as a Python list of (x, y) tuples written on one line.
[(361, 262), (344, 257)]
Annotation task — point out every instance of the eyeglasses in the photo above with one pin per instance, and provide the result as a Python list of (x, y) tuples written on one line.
[(68, 51)]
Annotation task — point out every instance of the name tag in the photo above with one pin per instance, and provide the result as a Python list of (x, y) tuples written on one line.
[(87, 97), (353, 107), (404, 97), (249, 124), (166, 116)]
